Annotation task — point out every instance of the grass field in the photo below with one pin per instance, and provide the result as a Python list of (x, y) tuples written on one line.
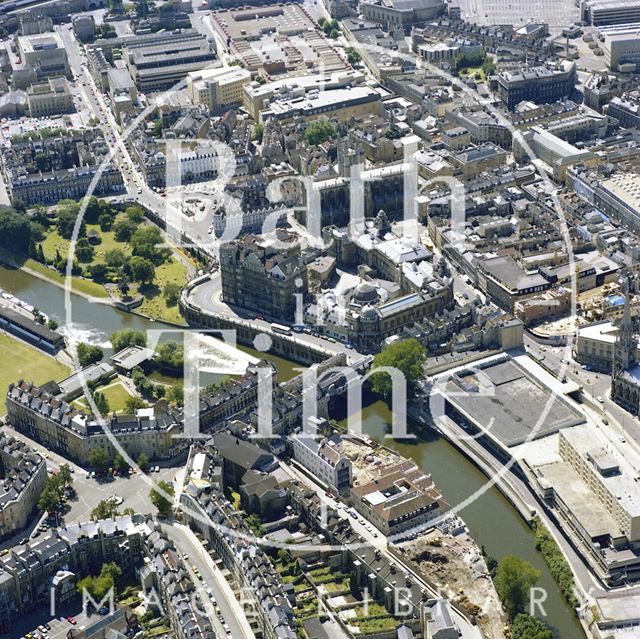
[(115, 393), (78, 284), (154, 304), (20, 361)]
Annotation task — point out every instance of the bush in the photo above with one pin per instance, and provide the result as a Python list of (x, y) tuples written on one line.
[(319, 132), (558, 565), (88, 354)]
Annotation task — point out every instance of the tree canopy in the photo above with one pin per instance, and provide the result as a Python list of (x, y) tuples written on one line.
[(15, 231), (127, 337), (170, 355), (98, 458), (527, 627), (159, 500), (407, 356), (88, 354), (513, 581), (319, 131)]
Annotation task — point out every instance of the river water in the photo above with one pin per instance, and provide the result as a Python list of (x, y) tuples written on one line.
[(492, 521)]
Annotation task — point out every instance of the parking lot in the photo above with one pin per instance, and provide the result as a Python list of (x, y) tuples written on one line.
[(133, 489)]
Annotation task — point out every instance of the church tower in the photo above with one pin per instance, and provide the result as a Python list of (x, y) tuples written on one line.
[(624, 352)]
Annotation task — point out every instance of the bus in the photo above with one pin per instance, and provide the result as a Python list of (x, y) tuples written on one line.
[(280, 328)]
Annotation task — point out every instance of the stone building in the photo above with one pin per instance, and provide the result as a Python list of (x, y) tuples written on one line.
[(23, 476), (625, 376), (259, 277), (60, 427)]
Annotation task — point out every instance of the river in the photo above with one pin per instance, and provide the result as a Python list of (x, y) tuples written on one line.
[(492, 521)]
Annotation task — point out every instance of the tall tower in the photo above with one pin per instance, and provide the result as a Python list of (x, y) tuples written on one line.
[(624, 352)]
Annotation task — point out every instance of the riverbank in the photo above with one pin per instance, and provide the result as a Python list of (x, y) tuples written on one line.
[(458, 477), (80, 286), (90, 291), (491, 519)]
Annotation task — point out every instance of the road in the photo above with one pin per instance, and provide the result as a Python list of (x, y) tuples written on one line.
[(89, 492), (207, 297), (622, 425), (188, 544)]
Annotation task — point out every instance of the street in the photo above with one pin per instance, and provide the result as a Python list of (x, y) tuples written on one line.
[(622, 425), (188, 544)]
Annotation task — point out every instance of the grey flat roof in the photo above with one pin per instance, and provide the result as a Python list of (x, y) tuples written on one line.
[(512, 407)]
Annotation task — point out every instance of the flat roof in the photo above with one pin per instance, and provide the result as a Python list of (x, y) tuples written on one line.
[(508, 403), (603, 332), (579, 499)]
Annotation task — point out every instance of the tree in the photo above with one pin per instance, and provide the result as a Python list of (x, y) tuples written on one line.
[(335, 34), (52, 324), (466, 60), (159, 496), (132, 403), (99, 272), (49, 500), (147, 242), (142, 269), (527, 627), (488, 66), (123, 230), (88, 354), (121, 464), (143, 462), (92, 210), (175, 395), (407, 356), (254, 522), (84, 251), (101, 402), (105, 221), (156, 129), (353, 56), (134, 214), (171, 293), (127, 337), (105, 509), (41, 160), (115, 258), (98, 587), (65, 476), (319, 131), (67, 212), (258, 132), (514, 579), (98, 458), (170, 355), (15, 230)]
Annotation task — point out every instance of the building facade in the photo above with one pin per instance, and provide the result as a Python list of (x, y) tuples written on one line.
[(260, 278)]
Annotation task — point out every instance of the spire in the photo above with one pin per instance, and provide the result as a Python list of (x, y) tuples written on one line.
[(626, 314)]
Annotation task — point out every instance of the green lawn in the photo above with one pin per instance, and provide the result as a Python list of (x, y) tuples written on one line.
[(470, 72), (154, 304), (78, 284), (20, 361), (115, 393), (53, 242)]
